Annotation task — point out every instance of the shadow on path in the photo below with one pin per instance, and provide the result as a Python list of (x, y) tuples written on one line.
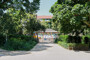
[(12, 53)]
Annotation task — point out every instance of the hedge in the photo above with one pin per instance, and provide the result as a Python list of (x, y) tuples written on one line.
[(19, 42)]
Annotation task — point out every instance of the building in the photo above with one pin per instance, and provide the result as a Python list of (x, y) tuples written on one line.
[(45, 20), (49, 35), (44, 17)]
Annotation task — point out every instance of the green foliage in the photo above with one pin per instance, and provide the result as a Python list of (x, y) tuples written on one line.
[(56, 40), (10, 21), (23, 37), (15, 23), (88, 35), (17, 17), (26, 5), (72, 2), (73, 39), (32, 24), (63, 38), (80, 47), (2, 40), (83, 38), (65, 45), (71, 19), (75, 46), (46, 23), (20, 43), (12, 17)]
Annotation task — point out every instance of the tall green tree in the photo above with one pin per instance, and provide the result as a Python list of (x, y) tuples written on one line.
[(13, 15), (71, 16), (20, 4), (32, 24)]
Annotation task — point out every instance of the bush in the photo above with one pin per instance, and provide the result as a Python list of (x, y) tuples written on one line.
[(81, 47), (75, 46), (14, 44), (74, 39), (63, 38), (63, 44), (77, 39), (70, 39), (19, 44), (56, 40), (2, 40), (86, 40), (23, 37)]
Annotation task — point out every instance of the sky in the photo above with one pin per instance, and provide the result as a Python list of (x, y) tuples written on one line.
[(45, 6)]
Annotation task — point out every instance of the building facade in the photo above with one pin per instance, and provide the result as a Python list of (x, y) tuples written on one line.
[(49, 35), (45, 20)]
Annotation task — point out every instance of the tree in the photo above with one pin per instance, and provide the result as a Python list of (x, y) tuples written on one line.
[(10, 22), (13, 15), (32, 24), (46, 23), (71, 17), (20, 4), (72, 2)]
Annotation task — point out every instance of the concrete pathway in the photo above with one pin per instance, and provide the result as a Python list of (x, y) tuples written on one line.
[(50, 51)]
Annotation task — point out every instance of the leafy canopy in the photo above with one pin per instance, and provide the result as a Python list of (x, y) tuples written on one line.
[(72, 17)]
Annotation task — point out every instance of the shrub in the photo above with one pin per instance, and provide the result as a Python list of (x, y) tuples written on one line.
[(74, 39), (81, 47), (70, 39), (63, 38), (2, 40), (77, 39), (23, 37), (20, 43), (75, 46), (76, 42), (86, 40), (63, 44), (14, 44), (83, 39), (56, 40)]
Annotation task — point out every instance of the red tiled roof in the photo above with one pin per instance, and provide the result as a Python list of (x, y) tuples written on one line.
[(44, 17)]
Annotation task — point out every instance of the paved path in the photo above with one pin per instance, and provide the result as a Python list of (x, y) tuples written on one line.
[(49, 51)]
